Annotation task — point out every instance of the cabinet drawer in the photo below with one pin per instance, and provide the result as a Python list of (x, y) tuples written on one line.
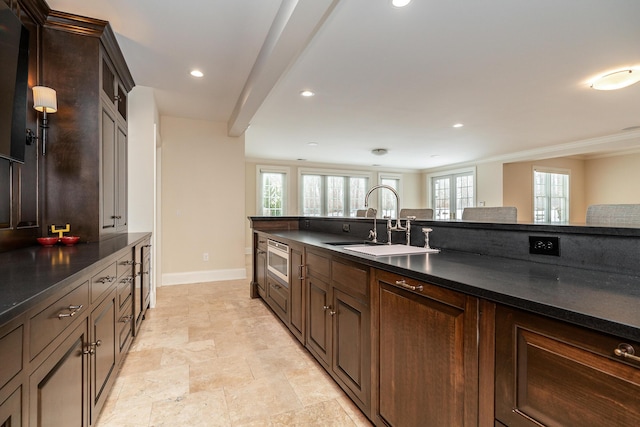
[(124, 266), (102, 282), (350, 278), (278, 298), (50, 322), (11, 351), (125, 290), (318, 265), (124, 327)]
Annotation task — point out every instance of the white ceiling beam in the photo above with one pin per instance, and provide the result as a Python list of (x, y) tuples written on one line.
[(294, 26)]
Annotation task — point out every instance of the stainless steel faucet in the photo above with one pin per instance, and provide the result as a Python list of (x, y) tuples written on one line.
[(390, 227)]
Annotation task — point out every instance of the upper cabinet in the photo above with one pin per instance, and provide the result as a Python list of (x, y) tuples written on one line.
[(85, 173)]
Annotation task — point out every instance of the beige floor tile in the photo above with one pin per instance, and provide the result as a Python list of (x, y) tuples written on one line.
[(223, 359), (203, 409), (260, 399)]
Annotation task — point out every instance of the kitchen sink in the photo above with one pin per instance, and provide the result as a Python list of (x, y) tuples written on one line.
[(389, 250)]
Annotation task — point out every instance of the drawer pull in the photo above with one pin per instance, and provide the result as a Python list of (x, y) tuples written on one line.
[(107, 279), (126, 319), (405, 285), (626, 351), (127, 279), (127, 262), (73, 310)]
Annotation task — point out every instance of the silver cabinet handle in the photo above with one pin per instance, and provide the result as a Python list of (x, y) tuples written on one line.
[(107, 279), (405, 285), (300, 275), (73, 310), (626, 351)]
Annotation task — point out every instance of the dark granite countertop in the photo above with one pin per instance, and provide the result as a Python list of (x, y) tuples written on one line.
[(30, 275), (607, 302)]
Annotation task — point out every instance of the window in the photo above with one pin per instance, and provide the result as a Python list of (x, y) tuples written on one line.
[(550, 196), (332, 193), (272, 194), (451, 193), (388, 202)]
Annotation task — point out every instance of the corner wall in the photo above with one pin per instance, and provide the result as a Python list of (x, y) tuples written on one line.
[(203, 202)]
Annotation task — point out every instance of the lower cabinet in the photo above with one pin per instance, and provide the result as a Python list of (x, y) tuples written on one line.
[(58, 387), (549, 373), (338, 323), (11, 409), (427, 361), (103, 350), (278, 298)]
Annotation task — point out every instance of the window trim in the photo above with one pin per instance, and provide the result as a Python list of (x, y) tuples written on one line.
[(286, 196), (388, 175)]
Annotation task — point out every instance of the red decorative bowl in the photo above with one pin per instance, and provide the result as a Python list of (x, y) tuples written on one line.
[(69, 240), (47, 242)]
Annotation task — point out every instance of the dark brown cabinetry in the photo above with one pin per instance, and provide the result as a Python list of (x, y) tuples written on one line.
[(86, 154), (549, 373), (114, 150), (338, 322), (296, 287), (142, 282), (427, 361), (259, 285)]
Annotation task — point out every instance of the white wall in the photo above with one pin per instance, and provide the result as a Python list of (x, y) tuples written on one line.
[(203, 202), (489, 184), (141, 170)]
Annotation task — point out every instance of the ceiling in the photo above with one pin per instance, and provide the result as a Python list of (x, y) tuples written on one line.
[(514, 72)]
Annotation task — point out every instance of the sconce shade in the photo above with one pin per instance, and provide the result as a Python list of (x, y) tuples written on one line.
[(44, 99)]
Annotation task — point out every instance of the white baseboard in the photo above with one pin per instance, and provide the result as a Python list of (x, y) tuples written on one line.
[(169, 279)]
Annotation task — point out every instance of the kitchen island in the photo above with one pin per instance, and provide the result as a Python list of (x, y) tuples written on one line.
[(505, 334)]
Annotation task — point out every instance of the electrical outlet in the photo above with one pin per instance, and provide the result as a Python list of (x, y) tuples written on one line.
[(544, 245), (307, 223), (345, 228), (205, 256)]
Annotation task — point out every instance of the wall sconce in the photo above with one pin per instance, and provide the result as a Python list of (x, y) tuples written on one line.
[(44, 101)]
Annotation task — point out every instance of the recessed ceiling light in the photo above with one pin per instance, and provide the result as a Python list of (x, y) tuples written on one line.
[(197, 73), (312, 144), (307, 93), (379, 151), (400, 3), (617, 79), (458, 125)]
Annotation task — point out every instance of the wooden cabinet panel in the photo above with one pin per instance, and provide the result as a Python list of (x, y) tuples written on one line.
[(278, 298), (55, 318), (11, 410), (103, 282), (351, 344), (11, 351), (58, 388), (551, 373), (104, 352), (259, 285), (319, 319), (428, 355), (296, 286)]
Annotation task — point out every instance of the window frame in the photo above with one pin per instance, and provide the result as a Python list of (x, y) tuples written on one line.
[(550, 170), (324, 173), (451, 173), (390, 176), (284, 170)]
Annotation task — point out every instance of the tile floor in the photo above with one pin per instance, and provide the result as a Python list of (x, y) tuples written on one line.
[(208, 355)]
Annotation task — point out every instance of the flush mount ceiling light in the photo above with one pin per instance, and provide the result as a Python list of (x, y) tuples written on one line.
[(400, 3), (196, 73), (379, 151), (458, 125), (307, 93), (312, 144), (617, 79)]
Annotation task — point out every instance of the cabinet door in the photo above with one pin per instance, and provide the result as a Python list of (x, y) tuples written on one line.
[(549, 373), (428, 356), (319, 311), (351, 344), (261, 272), (108, 182), (11, 410), (120, 184), (296, 285), (104, 351), (58, 388)]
